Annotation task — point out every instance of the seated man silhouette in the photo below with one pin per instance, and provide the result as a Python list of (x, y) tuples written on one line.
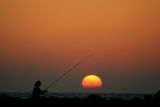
[(37, 91)]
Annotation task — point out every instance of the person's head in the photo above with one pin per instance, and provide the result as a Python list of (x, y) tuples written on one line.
[(38, 83)]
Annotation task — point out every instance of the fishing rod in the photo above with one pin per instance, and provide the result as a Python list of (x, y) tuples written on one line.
[(68, 71)]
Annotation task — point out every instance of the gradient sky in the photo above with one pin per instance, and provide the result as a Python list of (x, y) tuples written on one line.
[(41, 39)]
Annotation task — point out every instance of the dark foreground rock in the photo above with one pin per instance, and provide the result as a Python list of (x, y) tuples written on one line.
[(153, 101)]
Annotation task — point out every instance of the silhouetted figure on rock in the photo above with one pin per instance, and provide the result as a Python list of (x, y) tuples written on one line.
[(37, 91)]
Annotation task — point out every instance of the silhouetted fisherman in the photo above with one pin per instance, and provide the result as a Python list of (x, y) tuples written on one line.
[(37, 91)]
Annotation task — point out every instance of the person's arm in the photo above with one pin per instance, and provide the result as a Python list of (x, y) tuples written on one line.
[(44, 91)]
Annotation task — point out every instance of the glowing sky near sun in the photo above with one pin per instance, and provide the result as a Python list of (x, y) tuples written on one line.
[(40, 39)]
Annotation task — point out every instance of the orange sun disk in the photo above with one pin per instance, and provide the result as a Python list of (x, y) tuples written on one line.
[(91, 81)]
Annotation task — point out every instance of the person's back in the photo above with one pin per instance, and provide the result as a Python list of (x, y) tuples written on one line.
[(36, 90)]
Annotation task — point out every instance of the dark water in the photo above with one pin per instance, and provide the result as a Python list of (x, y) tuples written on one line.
[(76, 95)]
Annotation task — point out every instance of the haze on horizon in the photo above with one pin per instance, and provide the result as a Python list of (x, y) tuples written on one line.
[(41, 39)]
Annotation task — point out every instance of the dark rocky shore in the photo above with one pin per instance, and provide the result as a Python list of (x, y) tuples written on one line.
[(95, 100)]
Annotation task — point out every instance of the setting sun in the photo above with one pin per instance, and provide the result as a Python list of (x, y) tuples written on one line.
[(91, 81)]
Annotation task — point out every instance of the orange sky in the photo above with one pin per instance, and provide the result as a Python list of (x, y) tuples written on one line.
[(53, 34)]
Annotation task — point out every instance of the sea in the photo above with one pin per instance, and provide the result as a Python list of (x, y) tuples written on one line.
[(124, 96)]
